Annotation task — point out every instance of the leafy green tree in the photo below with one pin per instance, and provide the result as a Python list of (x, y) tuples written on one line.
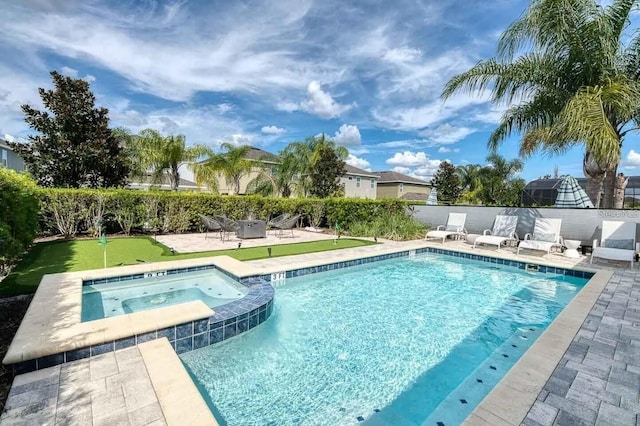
[(232, 163), (74, 146), (500, 185), (19, 213), (470, 182), (160, 155), (326, 170), (280, 179), (570, 69), (447, 182)]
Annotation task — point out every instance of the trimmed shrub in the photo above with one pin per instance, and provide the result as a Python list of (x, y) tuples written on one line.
[(72, 211), (19, 207)]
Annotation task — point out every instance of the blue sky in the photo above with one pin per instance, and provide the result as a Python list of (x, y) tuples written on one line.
[(368, 74)]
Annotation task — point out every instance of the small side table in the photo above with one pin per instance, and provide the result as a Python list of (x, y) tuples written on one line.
[(572, 248)]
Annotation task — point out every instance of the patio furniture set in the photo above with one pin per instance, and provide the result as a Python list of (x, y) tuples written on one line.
[(246, 229), (617, 242)]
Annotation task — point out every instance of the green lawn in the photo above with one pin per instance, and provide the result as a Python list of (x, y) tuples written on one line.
[(79, 255)]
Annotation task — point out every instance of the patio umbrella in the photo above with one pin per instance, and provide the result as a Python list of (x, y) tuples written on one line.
[(432, 200), (571, 194)]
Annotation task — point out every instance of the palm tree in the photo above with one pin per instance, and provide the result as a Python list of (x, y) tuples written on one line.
[(498, 179), (161, 155), (231, 163), (280, 179), (571, 80), (470, 181)]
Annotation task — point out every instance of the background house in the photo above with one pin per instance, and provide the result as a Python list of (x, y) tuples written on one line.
[(9, 159), (256, 155), (147, 183), (396, 185), (359, 183)]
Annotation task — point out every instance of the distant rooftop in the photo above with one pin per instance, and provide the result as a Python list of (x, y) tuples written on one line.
[(258, 154), (395, 177), (359, 172)]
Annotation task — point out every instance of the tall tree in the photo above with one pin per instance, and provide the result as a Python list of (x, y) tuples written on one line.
[(470, 182), (161, 155), (500, 184), (231, 162), (447, 183), (74, 146), (570, 71), (280, 179), (326, 170)]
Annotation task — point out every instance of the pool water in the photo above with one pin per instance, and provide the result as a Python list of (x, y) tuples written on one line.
[(124, 297), (402, 342)]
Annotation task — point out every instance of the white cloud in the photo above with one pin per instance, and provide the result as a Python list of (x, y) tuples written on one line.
[(403, 170), (319, 103), (633, 160), (224, 107), (272, 130), (69, 72), (360, 163), (347, 135), (446, 134), (416, 164), (444, 150), (408, 159), (402, 54), (237, 139)]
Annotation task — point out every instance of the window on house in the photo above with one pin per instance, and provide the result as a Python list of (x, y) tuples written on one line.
[(358, 182), (5, 158), (350, 178), (401, 187), (373, 183)]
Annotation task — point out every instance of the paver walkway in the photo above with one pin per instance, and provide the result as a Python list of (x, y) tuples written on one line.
[(109, 389), (598, 379)]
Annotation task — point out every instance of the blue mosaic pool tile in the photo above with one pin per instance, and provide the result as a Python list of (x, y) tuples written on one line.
[(216, 324), (50, 361), (243, 325), (200, 340), (216, 335), (146, 337), (230, 330), (125, 343), (77, 354), (87, 282), (184, 330), (184, 345), (200, 326), (262, 316), (230, 321), (253, 321), (102, 349), (169, 333), (25, 367)]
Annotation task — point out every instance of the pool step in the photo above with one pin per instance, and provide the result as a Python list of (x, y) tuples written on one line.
[(461, 402)]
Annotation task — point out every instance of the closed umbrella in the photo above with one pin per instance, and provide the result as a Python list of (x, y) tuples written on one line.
[(432, 200), (571, 195)]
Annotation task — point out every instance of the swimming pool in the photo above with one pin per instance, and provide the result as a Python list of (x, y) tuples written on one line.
[(124, 297), (405, 341)]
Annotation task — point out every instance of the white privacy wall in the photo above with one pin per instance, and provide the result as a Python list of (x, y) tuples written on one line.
[(577, 224)]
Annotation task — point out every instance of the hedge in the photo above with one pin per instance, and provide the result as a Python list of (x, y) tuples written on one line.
[(83, 211), (19, 206)]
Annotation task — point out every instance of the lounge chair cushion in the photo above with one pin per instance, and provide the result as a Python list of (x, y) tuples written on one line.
[(543, 236), (624, 244), (613, 253)]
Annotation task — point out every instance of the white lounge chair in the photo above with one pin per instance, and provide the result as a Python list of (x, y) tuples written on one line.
[(618, 242), (546, 234), (504, 229), (454, 227)]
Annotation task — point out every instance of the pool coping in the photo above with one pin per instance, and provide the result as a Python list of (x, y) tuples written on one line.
[(52, 324), (178, 396), (511, 399)]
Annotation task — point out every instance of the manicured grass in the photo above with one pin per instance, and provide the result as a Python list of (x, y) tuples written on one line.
[(79, 255)]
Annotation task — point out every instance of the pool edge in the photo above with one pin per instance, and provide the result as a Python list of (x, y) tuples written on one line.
[(511, 399)]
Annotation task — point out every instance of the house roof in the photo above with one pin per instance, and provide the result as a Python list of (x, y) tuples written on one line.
[(258, 154), (395, 177), (415, 196), (359, 172), (164, 181)]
